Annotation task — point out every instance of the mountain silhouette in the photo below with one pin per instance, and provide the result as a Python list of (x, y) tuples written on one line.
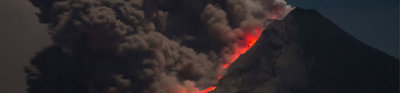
[(307, 53)]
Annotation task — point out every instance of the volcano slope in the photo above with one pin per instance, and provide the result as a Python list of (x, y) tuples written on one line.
[(307, 53)]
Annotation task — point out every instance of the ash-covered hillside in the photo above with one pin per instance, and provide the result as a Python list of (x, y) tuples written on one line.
[(307, 53)]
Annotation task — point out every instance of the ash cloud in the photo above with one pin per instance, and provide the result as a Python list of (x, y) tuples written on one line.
[(247, 18), (140, 46)]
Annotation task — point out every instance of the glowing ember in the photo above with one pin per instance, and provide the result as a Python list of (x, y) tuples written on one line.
[(249, 38), (208, 89)]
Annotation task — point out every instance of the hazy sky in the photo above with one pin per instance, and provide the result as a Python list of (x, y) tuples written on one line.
[(372, 21), (21, 36)]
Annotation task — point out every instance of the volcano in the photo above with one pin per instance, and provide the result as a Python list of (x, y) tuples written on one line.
[(307, 53)]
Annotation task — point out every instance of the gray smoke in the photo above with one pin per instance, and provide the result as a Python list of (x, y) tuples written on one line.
[(140, 46), (247, 16)]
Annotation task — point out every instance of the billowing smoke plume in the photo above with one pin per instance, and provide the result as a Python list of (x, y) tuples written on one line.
[(143, 46), (248, 19)]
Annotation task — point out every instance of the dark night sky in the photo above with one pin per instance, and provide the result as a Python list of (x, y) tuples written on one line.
[(374, 22)]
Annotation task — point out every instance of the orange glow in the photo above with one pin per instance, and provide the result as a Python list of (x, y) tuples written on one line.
[(249, 39), (208, 89), (219, 77)]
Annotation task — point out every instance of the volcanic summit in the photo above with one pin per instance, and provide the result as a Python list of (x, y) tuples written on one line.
[(307, 53)]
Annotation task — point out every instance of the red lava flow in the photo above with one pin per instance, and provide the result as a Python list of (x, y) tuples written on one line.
[(249, 38)]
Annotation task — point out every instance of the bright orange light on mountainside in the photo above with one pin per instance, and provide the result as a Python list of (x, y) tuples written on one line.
[(249, 38)]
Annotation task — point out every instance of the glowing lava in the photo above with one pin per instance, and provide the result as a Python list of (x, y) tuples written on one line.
[(248, 39), (208, 89)]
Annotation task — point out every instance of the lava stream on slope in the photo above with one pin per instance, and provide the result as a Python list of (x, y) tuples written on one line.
[(249, 38)]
